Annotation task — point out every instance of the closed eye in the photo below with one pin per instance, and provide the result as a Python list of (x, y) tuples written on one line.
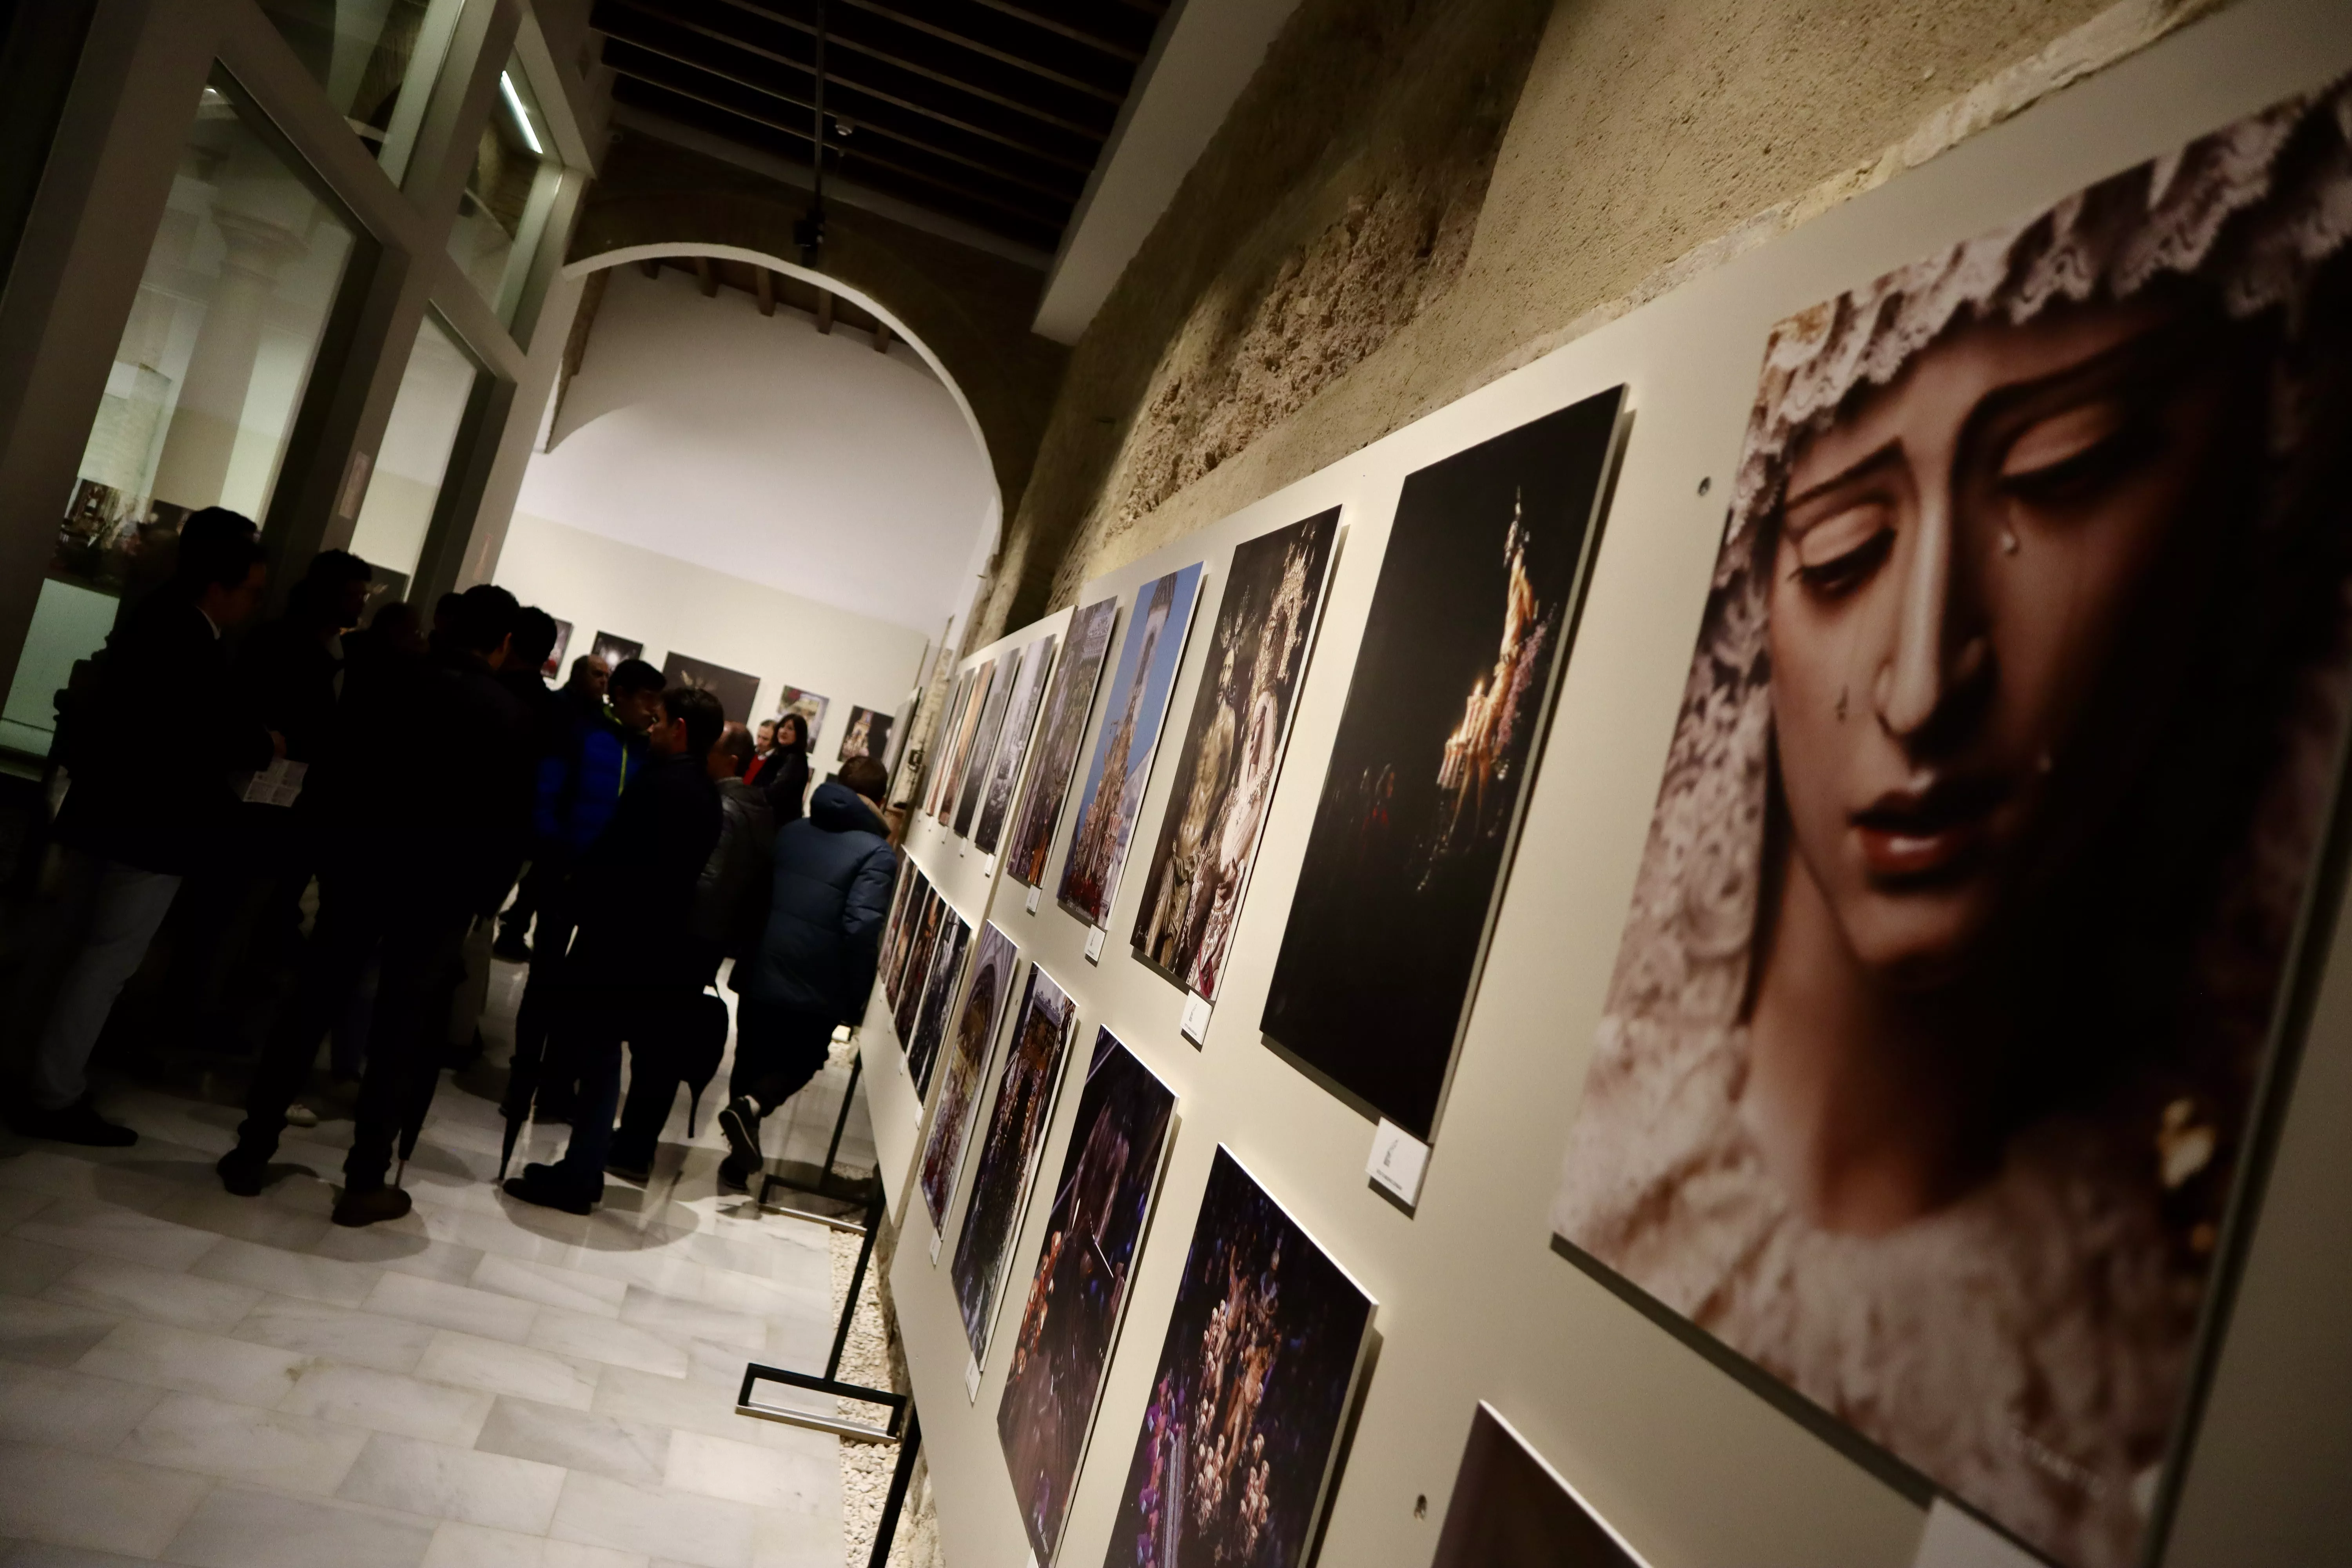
[(1839, 549)]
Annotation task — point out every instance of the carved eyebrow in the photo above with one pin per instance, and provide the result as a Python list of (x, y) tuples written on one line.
[(1861, 467)]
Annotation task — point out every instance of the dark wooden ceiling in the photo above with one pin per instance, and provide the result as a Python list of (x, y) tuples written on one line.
[(991, 112)]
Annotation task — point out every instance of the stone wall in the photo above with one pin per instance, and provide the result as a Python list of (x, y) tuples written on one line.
[(1411, 199)]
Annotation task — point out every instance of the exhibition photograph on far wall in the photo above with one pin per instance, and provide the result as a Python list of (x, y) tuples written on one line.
[(736, 692), (868, 734), (1232, 751), (1124, 745), (1067, 703), (1961, 941)]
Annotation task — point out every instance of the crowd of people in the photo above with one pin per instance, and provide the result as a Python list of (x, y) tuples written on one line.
[(619, 835)]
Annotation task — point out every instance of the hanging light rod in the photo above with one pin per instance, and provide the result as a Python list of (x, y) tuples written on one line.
[(522, 115)]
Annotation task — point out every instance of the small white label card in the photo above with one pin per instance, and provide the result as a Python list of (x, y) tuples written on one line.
[(1399, 1161), (1195, 1021), (988, 867), (1032, 904), (964, 847), (1032, 1557), (1094, 945), (1954, 1538), (972, 1379), (936, 1237)]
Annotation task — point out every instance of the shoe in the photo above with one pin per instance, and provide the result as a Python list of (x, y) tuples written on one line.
[(369, 1208), (540, 1184), (739, 1122), (511, 947), (638, 1171), (242, 1174), (300, 1115), (735, 1175), (76, 1123)]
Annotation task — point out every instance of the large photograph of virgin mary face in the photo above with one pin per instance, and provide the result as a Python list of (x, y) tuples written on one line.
[(1124, 745), (1961, 937), (1467, 636), (1232, 753), (1067, 707)]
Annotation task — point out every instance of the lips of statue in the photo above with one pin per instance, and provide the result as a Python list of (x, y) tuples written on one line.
[(1973, 582)]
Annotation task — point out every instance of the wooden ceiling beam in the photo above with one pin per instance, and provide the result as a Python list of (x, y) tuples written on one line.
[(825, 310), (1075, 35), (763, 289), (801, 134), (837, 41), (706, 277), (881, 337), (862, 124), (986, 51)]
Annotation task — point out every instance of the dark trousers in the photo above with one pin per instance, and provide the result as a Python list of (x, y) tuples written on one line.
[(596, 1021), (413, 934), (542, 993), (777, 1051)]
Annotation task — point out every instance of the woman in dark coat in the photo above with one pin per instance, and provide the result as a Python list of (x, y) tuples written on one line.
[(786, 773)]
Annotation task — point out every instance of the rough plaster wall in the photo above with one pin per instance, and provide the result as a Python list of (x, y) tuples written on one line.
[(1651, 139), (1334, 204)]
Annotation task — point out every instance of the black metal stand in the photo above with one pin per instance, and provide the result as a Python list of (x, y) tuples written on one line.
[(885, 1529), (829, 1185), (830, 1381)]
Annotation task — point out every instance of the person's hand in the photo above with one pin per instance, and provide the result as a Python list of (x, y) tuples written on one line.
[(277, 746)]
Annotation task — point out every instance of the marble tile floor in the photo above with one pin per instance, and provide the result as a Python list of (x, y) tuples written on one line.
[(193, 1379)]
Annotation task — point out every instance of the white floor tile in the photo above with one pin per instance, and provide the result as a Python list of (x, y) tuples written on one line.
[(49, 1333), (341, 1334), (241, 1527), (741, 1472), (780, 1539), (222, 1214), (465, 1361), (38, 1554), (549, 1286), (603, 1340), (698, 1407), (29, 1267), (238, 1443), (691, 1320), (69, 1409), (16, 1204), (399, 1252), (482, 1313), (454, 1483), (703, 1531), (456, 1545), (161, 1296), (635, 1451), (90, 1226), (83, 1500), (234, 1370), (389, 1402), (284, 1273)]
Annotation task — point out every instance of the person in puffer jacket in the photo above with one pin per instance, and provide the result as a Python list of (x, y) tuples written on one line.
[(815, 961)]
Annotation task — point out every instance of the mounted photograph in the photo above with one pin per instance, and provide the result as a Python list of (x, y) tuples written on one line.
[(1963, 943), (1067, 703)]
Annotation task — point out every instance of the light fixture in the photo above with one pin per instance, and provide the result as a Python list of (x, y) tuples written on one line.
[(522, 115)]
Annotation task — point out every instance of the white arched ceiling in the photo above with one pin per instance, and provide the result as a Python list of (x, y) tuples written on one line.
[(758, 447)]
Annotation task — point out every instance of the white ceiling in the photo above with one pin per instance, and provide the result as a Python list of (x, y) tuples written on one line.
[(758, 447)]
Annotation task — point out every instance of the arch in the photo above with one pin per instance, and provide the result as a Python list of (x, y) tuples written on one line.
[(626, 254)]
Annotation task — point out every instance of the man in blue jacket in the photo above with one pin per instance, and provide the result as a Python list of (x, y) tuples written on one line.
[(579, 787), (815, 963)]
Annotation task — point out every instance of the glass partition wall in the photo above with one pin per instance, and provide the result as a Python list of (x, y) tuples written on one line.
[(245, 266), (305, 311)]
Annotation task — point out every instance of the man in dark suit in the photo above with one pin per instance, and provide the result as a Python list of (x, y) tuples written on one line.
[(636, 960), (420, 809), (137, 819)]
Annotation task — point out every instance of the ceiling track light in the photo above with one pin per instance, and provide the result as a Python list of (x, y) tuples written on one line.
[(522, 116)]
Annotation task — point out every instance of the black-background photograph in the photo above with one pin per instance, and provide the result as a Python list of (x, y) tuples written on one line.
[(1444, 720)]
